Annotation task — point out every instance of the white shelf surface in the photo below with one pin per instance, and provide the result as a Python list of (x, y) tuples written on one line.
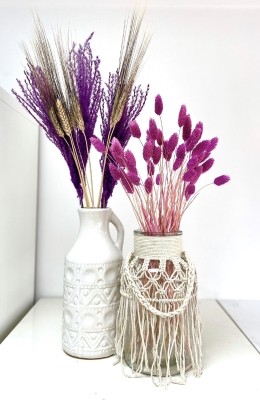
[(33, 365), (246, 315)]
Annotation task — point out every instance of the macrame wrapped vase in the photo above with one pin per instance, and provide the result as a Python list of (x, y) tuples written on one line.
[(158, 324)]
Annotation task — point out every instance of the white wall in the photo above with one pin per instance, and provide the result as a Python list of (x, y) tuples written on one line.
[(205, 54), (18, 212)]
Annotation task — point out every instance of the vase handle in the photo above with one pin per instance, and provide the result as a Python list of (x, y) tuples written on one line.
[(119, 228)]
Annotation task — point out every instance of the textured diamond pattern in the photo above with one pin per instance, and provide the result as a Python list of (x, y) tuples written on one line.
[(91, 300)]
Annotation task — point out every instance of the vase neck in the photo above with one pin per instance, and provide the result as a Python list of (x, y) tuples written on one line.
[(94, 219), (158, 247)]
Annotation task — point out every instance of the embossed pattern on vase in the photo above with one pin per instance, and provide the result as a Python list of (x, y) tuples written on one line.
[(91, 300)]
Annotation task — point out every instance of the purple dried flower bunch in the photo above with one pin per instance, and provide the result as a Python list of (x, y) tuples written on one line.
[(63, 92), (119, 129), (67, 114), (174, 165)]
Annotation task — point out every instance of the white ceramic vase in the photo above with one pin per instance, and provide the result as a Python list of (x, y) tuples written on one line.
[(92, 286)]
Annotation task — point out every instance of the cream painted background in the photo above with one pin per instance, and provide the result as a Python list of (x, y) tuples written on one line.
[(205, 54)]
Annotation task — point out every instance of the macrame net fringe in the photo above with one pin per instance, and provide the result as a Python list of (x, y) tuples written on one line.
[(158, 324)]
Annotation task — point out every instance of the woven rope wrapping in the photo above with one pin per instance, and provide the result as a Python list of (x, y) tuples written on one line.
[(158, 319), (156, 248)]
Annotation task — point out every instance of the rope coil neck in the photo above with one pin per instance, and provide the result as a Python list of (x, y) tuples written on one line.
[(157, 247)]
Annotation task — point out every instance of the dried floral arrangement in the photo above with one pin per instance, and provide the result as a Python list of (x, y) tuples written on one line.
[(174, 166), (64, 93), (158, 324)]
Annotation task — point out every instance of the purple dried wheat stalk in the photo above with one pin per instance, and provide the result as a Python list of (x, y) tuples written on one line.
[(133, 107), (39, 96)]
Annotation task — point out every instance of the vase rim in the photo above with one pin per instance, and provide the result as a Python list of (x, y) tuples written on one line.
[(138, 232), (88, 209)]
